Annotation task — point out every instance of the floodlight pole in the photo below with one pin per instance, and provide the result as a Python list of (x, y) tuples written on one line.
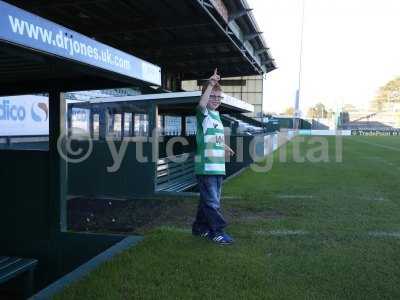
[(297, 101)]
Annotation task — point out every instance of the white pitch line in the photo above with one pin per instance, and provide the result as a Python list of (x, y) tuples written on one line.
[(282, 232), (232, 197), (175, 229), (295, 196), (379, 160), (376, 199), (377, 145), (384, 234)]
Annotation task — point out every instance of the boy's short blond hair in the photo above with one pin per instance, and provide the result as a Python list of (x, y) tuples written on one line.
[(216, 87)]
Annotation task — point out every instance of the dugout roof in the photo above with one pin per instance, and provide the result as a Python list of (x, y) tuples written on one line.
[(176, 103)]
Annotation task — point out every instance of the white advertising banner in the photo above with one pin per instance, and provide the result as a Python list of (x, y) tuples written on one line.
[(24, 115), (23, 28), (325, 132)]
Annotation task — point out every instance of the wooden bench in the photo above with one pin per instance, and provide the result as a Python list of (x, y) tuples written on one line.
[(173, 176), (12, 267)]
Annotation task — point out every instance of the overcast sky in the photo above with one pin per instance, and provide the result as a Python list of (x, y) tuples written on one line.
[(351, 48)]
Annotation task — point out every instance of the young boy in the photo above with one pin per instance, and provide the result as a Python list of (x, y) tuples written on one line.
[(210, 164)]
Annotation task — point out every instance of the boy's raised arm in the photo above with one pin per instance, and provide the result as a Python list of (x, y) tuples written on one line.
[(211, 83)]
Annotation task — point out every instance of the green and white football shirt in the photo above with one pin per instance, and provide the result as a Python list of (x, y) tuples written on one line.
[(210, 153)]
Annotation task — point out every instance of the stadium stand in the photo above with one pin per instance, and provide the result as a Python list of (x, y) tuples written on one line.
[(367, 120)]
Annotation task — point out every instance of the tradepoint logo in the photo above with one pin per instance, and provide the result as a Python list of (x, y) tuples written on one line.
[(10, 112), (39, 112)]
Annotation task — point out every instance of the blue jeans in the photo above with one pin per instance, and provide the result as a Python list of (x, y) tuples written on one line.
[(208, 215)]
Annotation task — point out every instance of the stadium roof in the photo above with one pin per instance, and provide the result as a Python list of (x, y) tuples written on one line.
[(186, 37)]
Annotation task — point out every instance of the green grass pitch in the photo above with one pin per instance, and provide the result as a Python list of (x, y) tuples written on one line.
[(312, 230)]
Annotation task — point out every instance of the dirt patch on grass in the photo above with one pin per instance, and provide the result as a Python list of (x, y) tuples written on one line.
[(130, 216), (140, 215)]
